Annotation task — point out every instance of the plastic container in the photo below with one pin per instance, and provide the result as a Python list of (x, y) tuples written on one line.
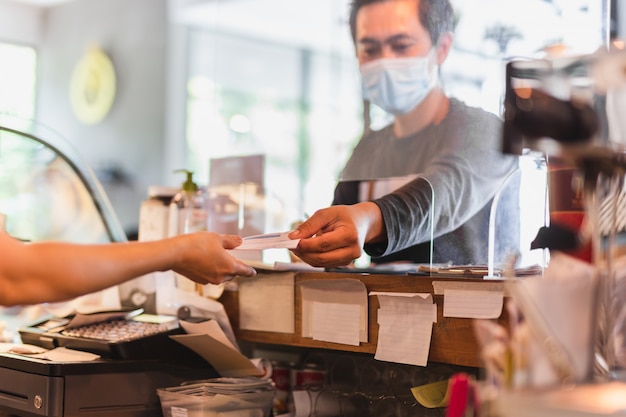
[(154, 213), (240, 397)]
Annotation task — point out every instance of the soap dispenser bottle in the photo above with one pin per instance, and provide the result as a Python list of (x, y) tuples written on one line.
[(188, 211), (188, 214)]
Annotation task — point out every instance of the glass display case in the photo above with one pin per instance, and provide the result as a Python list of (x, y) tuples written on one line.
[(48, 192)]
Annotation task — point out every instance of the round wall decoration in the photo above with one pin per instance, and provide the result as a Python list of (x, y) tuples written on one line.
[(92, 87)]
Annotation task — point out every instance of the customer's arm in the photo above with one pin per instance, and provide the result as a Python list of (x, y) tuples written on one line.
[(45, 271)]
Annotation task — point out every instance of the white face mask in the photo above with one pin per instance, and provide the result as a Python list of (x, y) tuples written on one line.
[(398, 85)]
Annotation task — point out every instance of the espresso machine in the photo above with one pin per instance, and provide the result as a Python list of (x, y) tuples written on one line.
[(572, 110)]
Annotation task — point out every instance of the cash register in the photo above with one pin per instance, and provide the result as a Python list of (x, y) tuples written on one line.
[(68, 204)]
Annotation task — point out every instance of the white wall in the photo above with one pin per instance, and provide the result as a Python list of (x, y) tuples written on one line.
[(130, 140), (20, 23), (143, 136)]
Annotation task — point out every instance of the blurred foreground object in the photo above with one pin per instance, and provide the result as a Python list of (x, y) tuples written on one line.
[(572, 109)]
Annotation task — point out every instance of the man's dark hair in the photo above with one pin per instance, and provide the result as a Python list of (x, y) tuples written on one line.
[(437, 16)]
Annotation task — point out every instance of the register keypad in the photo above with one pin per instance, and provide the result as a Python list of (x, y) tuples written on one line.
[(116, 330)]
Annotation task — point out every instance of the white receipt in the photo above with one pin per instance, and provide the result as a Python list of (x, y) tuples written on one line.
[(268, 241)]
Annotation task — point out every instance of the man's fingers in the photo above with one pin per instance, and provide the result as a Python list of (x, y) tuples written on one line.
[(338, 257), (329, 242), (327, 262), (312, 226)]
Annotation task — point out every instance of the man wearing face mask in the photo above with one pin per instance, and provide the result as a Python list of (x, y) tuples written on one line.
[(435, 168)]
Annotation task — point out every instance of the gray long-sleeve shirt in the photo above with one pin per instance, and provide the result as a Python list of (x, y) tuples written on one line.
[(460, 168)]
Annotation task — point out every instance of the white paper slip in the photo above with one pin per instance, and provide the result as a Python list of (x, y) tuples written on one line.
[(268, 241)]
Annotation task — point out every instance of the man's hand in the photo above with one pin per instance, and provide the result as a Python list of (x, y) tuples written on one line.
[(335, 236)]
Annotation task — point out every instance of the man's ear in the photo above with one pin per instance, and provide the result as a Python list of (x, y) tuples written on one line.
[(443, 47)]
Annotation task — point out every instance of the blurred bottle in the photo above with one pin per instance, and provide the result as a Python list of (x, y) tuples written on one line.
[(374, 380), (566, 203), (356, 404), (387, 407), (188, 208), (281, 376), (187, 214)]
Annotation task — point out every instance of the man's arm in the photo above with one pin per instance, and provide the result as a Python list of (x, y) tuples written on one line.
[(415, 213)]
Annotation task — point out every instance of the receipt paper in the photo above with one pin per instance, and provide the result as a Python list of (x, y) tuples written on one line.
[(268, 241)]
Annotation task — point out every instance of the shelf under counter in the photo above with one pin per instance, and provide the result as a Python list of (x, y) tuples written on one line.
[(453, 340)]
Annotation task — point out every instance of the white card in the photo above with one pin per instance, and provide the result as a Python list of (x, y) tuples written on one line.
[(268, 241)]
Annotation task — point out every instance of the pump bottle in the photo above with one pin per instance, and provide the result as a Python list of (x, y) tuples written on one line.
[(188, 211), (187, 214)]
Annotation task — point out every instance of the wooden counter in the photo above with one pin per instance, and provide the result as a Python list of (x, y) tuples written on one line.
[(453, 339)]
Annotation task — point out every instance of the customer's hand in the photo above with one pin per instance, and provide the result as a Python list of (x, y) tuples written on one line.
[(203, 258), (335, 236)]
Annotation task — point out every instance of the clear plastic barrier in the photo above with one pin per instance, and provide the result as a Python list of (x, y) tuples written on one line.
[(47, 192), (445, 212)]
